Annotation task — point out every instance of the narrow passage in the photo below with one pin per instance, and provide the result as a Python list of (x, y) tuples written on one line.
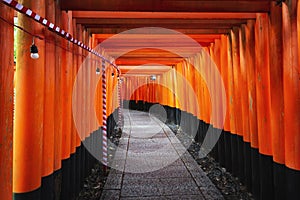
[(151, 163)]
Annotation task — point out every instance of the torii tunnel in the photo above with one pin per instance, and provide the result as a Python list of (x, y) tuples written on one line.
[(226, 72)]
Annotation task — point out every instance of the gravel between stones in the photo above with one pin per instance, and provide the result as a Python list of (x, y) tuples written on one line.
[(230, 186), (94, 183)]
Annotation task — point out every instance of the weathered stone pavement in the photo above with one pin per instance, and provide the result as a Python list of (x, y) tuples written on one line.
[(151, 163)]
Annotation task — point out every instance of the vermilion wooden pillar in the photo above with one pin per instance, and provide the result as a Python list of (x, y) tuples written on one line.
[(277, 103), (263, 84), (236, 80), (236, 101), (6, 101), (220, 97), (226, 129), (66, 92), (276, 78), (213, 89), (263, 97), (291, 85), (58, 96), (243, 83), (251, 81), (28, 129), (244, 143), (250, 165), (291, 92), (230, 91), (74, 136), (49, 106), (66, 77)]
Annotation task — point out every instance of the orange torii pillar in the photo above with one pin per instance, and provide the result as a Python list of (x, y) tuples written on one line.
[(74, 134), (277, 104), (245, 151), (230, 97), (6, 101), (252, 112), (291, 93), (249, 53), (236, 143), (80, 148), (263, 98), (226, 129), (28, 127), (220, 97), (68, 159), (58, 104), (49, 95)]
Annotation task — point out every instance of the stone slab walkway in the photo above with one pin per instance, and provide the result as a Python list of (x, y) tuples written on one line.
[(151, 163)]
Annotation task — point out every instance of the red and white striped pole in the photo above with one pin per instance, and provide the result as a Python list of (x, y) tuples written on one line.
[(120, 102), (104, 127), (122, 105)]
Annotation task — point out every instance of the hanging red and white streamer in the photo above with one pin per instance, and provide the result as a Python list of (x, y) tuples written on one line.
[(52, 27), (56, 29)]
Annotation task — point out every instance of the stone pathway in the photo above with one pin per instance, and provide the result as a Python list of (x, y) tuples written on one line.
[(151, 163)]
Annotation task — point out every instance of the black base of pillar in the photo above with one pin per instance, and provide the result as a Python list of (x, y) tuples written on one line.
[(33, 195)]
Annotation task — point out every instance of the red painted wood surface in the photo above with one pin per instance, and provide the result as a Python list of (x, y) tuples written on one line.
[(291, 85), (29, 123), (49, 96), (263, 95), (6, 102), (276, 83)]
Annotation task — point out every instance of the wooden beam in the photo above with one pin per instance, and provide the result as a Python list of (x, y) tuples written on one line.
[(162, 41), (164, 15), (138, 31), (173, 26), (184, 51), (150, 44), (150, 60), (155, 54), (167, 61), (168, 5), (157, 22), (151, 36), (144, 69)]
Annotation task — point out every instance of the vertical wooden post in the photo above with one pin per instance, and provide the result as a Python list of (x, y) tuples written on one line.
[(224, 71), (251, 99), (236, 101), (263, 97), (28, 129), (291, 84), (49, 95), (66, 78), (236, 80), (230, 86), (277, 104), (291, 93), (238, 108), (80, 149), (245, 141), (6, 101), (58, 99), (243, 83), (66, 94), (74, 99)]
